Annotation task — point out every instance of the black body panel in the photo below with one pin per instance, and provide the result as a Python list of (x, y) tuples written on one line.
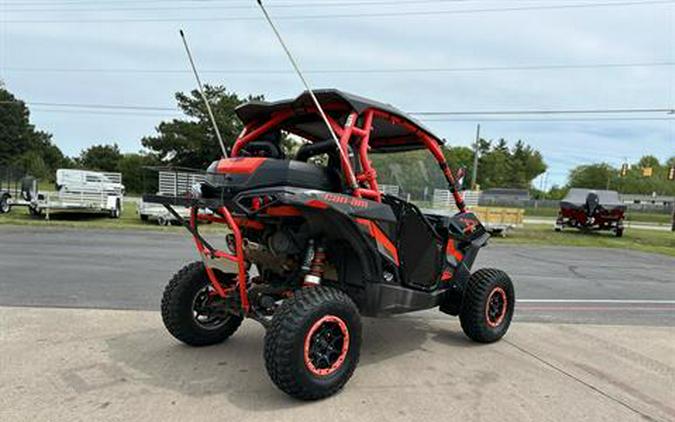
[(420, 248), (271, 173), (361, 267)]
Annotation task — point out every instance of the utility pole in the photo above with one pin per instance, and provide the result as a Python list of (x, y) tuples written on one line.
[(474, 174)]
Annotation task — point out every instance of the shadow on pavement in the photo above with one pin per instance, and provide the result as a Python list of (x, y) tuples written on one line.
[(236, 368)]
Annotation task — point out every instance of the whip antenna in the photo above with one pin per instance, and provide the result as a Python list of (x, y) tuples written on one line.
[(350, 175), (201, 91)]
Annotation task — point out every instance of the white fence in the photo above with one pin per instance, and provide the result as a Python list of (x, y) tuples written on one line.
[(393, 190), (443, 198)]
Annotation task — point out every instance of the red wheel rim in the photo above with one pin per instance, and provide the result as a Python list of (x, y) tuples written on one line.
[(326, 345), (495, 307)]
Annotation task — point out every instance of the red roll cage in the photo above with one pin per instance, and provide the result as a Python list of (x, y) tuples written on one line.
[(357, 132), (350, 134)]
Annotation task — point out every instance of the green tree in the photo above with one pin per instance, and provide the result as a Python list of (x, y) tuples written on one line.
[(21, 144), (100, 157), (649, 161), (192, 142), (417, 172), (501, 167), (557, 192), (599, 176), (34, 164), (136, 177), (593, 176)]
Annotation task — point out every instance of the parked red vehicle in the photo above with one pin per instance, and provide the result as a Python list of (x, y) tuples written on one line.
[(314, 245), (591, 210)]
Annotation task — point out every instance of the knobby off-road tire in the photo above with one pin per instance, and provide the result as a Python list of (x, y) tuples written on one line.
[(313, 344), (184, 291), (487, 306)]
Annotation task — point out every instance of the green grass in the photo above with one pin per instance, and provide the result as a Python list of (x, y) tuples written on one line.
[(541, 212), (636, 216), (128, 220), (662, 242), (648, 217)]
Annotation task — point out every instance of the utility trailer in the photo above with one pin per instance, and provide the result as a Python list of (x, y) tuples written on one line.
[(497, 220), (83, 191), (17, 189), (171, 183)]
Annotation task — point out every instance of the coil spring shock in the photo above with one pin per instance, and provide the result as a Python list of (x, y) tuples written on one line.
[(317, 267)]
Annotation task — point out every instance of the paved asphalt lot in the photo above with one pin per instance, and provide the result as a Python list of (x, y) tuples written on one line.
[(593, 340), (128, 270)]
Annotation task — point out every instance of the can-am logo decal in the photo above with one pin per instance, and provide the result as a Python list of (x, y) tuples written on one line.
[(346, 200), (469, 225)]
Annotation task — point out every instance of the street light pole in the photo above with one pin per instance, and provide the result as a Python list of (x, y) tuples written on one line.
[(474, 173)]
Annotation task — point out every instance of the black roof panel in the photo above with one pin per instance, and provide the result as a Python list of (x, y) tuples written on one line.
[(386, 137)]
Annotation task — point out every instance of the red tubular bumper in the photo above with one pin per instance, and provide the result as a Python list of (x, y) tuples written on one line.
[(237, 258)]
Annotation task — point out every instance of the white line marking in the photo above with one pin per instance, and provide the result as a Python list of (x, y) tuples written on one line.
[(616, 301)]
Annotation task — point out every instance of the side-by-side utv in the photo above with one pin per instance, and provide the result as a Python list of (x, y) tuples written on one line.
[(313, 245), (591, 210)]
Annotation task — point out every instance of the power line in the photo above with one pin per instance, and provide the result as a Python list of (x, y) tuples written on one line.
[(230, 6), (406, 14), (414, 113), (92, 106), (178, 114), (597, 119), (350, 71), (544, 112), (248, 4), (110, 113)]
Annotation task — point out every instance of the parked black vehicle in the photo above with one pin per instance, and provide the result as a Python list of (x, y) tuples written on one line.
[(326, 245)]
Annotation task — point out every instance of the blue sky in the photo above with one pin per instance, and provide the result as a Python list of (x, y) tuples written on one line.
[(41, 38)]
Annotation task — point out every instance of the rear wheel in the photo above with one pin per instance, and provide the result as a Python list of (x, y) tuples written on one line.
[(312, 347), (188, 311), (618, 232), (4, 204), (488, 305), (117, 211)]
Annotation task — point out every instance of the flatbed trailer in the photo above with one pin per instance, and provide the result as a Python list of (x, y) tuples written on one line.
[(99, 193), (171, 183), (78, 202), (17, 189)]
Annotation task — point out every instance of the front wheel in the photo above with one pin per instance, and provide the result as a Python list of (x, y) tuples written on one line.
[(189, 312), (488, 305), (312, 347)]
